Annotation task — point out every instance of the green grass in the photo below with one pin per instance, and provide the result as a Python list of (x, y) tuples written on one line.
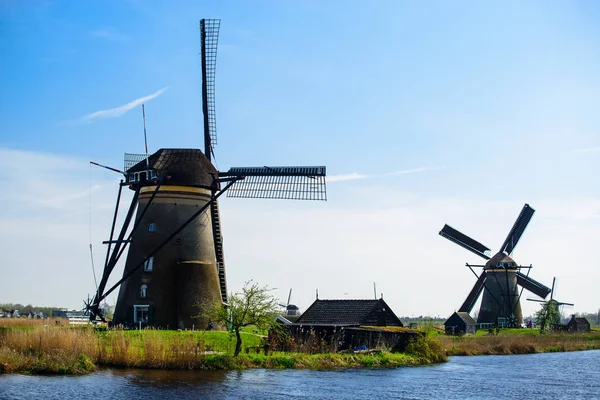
[(217, 341)]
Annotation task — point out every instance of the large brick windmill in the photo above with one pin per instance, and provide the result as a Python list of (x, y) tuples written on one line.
[(175, 259), (500, 277)]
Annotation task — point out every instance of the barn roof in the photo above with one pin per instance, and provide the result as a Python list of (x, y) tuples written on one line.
[(463, 316), (339, 312), (581, 320), (466, 317)]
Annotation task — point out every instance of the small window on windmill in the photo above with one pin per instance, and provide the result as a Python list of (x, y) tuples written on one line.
[(136, 176), (141, 313), (143, 176), (149, 264), (153, 174), (143, 291), (152, 227)]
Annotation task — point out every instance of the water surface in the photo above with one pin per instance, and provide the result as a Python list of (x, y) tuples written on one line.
[(573, 375)]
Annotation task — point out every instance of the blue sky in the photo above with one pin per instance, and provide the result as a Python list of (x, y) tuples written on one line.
[(485, 105)]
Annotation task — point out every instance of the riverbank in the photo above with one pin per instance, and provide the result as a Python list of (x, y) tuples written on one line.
[(63, 350), (519, 342)]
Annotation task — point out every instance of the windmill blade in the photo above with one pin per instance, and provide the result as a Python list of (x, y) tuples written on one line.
[(289, 297), (130, 160), (209, 39), (565, 304), (517, 230), (464, 241), (537, 301), (532, 285), (471, 299), (294, 183)]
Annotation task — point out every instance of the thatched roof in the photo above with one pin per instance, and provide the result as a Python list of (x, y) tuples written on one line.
[(499, 258), (187, 167)]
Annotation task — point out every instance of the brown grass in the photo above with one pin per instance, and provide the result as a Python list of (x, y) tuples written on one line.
[(519, 344), (12, 322)]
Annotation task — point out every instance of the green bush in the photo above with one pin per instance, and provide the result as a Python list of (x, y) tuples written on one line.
[(427, 349)]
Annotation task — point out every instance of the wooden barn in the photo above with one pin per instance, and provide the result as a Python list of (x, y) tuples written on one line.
[(347, 324), (578, 324), (460, 323)]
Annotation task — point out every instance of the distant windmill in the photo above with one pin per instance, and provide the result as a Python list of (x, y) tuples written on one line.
[(291, 310), (551, 307), (175, 260), (500, 276)]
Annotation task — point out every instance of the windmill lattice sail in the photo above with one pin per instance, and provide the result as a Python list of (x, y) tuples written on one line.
[(209, 40), (290, 183)]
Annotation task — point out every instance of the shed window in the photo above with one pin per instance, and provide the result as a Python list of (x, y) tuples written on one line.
[(143, 291), (149, 264)]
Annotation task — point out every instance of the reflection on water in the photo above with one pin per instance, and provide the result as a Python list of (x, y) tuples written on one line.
[(538, 376)]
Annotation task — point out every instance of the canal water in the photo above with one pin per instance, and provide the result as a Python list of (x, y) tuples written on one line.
[(538, 376)]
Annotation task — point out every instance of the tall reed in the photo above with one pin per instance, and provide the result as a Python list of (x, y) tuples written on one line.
[(519, 344)]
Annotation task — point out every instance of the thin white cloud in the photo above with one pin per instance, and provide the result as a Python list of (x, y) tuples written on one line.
[(587, 150), (413, 171), (355, 176), (109, 33), (120, 110), (345, 177)]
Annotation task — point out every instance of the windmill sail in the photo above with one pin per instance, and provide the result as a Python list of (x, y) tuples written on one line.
[(464, 241), (209, 39), (517, 230), (471, 299), (532, 285), (292, 183)]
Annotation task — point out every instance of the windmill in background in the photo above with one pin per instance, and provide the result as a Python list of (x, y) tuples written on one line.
[(551, 313), (500, 277), (291, 310), (175, 260)]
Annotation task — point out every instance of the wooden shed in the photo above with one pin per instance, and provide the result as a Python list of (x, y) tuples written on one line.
[(346, 324), (460, 323), (578, 324)]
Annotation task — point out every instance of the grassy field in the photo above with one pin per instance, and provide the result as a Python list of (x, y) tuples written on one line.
[(69, 350)]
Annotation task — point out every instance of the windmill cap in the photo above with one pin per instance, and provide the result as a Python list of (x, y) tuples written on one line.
[(186, 167), (497, 259)]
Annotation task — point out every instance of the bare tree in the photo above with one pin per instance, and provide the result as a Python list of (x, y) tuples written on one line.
[(253, 305)]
